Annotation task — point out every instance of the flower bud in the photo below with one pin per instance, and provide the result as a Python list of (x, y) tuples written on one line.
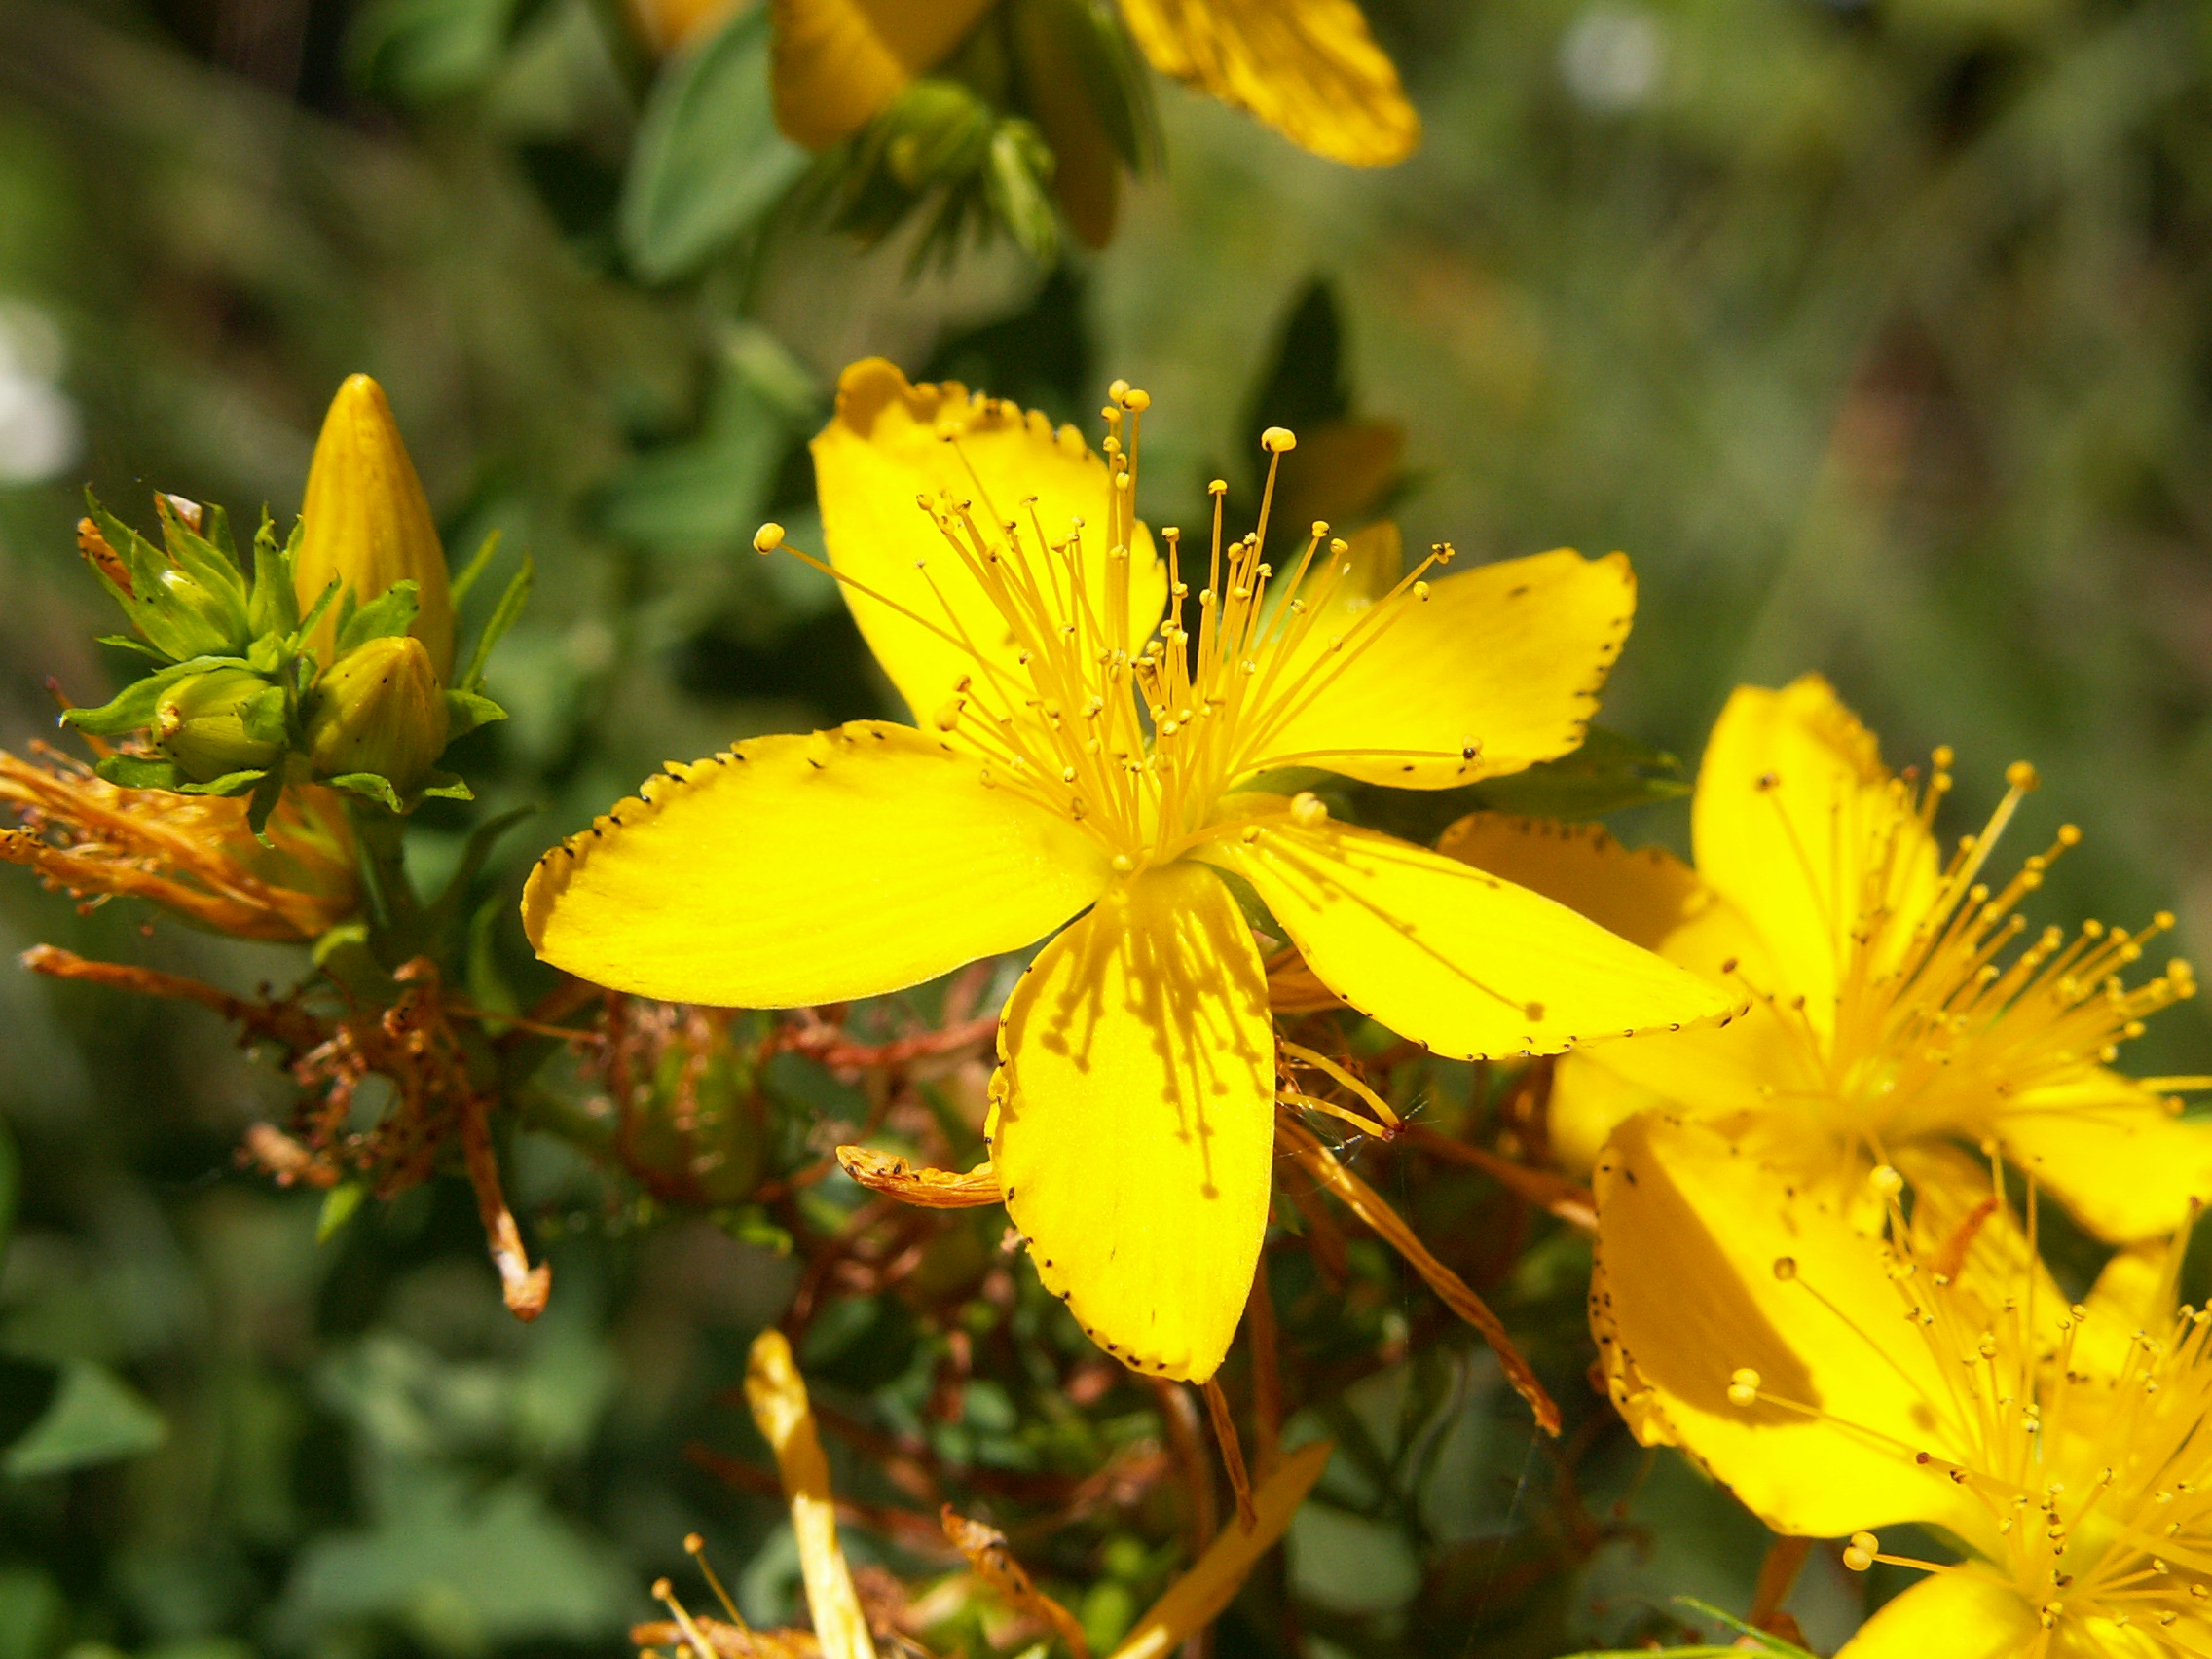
[(380, 709), (225, 720), (366, 522)]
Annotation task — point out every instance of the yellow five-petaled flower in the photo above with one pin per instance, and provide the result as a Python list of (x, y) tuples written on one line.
[(1089, 732), (1900, 1003)]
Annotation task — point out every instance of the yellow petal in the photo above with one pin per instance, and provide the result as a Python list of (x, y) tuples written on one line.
[(2134, 1293), (1791, 798), (883, 448), (1133, 1124), (776, 1395), (1648, 897), (1195, 1600), (1653, 899), (366, 522), (1506, 659), (1309, 68), (2108, 1150), (1447, 955), (807, 870), (1954, 1614), (836, 64), (1690, 1230)]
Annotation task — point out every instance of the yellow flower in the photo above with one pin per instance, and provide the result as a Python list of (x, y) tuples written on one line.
[(366, 523), (1084, 754), (1309, 68), (1894, 1009), (1840, 1382), (193, 855)]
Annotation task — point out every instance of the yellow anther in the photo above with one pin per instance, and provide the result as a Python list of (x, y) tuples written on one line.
[(1786, 1267), (1275, 439), (1859, 1555), (1307, 808), (767, 539), (1885, 1180), (1744, 1386), (1218, 487), (1137, 398), (2021, 776)]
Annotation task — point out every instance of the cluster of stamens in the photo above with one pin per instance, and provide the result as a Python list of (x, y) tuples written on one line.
[(2095, 1472), (1941, 1013), (1131, 729)]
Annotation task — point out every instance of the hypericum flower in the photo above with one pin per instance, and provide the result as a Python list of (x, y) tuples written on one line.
[(366, 524), (1896, 1008), (1841, 1381), (1309, 68), (840, 1621), (1083, 752), (193, 855)]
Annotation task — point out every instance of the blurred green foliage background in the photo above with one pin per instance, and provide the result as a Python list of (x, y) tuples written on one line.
[(1879, 334)]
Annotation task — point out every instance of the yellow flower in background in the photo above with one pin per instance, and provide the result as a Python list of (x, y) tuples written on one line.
[(366, 524), (1085, 757), (1840, 1382), (1309, 68), (1900, 1003)]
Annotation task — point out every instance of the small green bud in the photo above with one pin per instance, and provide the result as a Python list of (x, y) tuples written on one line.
[(225, 720), (380, 709), (938, 132), (366, 522)]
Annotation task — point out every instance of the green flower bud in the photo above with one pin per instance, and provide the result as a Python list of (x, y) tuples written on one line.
[(225, 720), (200, 619), (366, 522), (938, 132), (380, 709)]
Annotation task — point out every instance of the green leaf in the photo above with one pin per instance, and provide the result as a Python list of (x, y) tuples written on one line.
[(338, 1207), (123, 642), (502, 618), (1610, 773), (709, 161), (274, 608), (94, 1417), (443, 785), (390, 613), (422, 51)]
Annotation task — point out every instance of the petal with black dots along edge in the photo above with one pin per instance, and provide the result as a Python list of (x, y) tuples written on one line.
[(806, 869), (1453, 957), (1132, 1123), (891, 442), (1712, 1262), (1506, 659)]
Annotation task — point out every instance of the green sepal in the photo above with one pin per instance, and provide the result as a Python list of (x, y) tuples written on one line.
[(322, 602), (274, 608), (443, 785), (229, 783), (123, 642), (389, 614), (212, 566), (267, 718), (109, 528), (266, 795), (139, 772), (461, 584), (374, 785), (133, 708), (502, 618), (267, 655), (465, 710)]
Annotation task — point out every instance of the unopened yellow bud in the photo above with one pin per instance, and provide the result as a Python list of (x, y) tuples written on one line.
[(366, 522), (380, 709)]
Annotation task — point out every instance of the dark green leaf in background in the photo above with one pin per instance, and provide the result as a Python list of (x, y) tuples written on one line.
[(709, 160)]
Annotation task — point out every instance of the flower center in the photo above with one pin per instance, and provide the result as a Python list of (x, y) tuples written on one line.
[(1940, 1014), (1134, 728), (2088, 1445)]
